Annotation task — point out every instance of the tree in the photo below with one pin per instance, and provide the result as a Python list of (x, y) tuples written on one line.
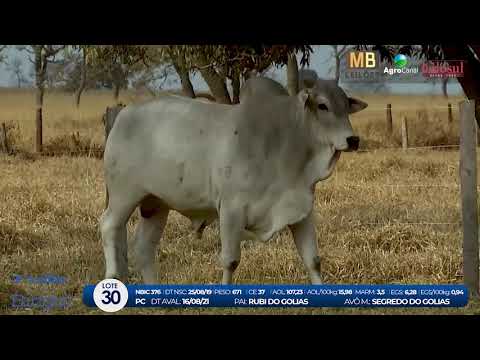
[(55, 74), (83, 76), (470, 82), (216, 63), (444, 86), (117, 62), (215, 78), (42, 55), (2, 56), (16, 68), (236, 88), (219, 63), (79, 74), (338, 53), (153, 78), (176, 55), (292, 74)]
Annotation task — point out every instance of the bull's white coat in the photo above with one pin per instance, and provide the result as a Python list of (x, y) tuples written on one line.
[(252, 165)]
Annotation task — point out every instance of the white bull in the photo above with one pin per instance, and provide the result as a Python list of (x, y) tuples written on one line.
[(252, 165)]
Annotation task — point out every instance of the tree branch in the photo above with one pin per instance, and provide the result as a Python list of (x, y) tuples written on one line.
[(473, 52)]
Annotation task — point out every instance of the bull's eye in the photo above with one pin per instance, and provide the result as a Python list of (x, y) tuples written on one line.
[(323, 107)]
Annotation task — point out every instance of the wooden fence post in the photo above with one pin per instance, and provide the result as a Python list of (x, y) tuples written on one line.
[(404, 133), (4, 140), (389, 120), (108, 120), (468, 180)]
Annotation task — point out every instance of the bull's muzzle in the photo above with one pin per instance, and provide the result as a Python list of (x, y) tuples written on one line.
[(353, 142)]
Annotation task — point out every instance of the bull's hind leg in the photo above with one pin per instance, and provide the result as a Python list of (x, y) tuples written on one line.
[(305, 238), (147, 235), (114, 233)]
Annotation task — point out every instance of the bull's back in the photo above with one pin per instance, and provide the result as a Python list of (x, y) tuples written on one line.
[(166, 148), (168, 122)]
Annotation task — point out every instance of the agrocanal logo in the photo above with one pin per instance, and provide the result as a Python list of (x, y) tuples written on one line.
[(400, 62)]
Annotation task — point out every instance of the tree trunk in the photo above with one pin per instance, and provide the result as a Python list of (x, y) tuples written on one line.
[(217, 86), (470, 82), (444, 87), (337, 66), (116, 91), (40, 71), (215, 82), (236, 88), (39, 120), (187, 86), (249, 74), (292, 74), (118, 76), (83, 79)]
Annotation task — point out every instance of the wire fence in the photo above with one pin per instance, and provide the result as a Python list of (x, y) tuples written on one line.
[(97, 152), (459, 223), (409, 109), (350, 223), (410, 148)]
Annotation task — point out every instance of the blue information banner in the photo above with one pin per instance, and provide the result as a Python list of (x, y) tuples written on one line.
[(182, 296)]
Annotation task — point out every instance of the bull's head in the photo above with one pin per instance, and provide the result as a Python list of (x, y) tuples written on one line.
[(326, 110)]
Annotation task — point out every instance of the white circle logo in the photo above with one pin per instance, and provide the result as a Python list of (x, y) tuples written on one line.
[(110, 295)]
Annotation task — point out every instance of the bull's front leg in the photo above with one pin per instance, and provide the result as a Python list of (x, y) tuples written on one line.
[(305, 238), (232, 225)]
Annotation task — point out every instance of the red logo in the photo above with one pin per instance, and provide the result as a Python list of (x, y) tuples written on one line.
[(443, 69)]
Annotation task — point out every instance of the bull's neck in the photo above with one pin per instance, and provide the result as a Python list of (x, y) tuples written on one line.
[(317, 160), (320, 158)]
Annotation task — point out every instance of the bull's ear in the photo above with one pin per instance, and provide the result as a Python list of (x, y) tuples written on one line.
[(305, 98), (356, 105)]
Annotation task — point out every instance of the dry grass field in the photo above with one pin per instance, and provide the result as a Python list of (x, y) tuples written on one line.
[(49, 210)]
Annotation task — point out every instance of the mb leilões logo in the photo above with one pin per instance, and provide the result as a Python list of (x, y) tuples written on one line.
[(360, 66), (400, 62), (362, 60)]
